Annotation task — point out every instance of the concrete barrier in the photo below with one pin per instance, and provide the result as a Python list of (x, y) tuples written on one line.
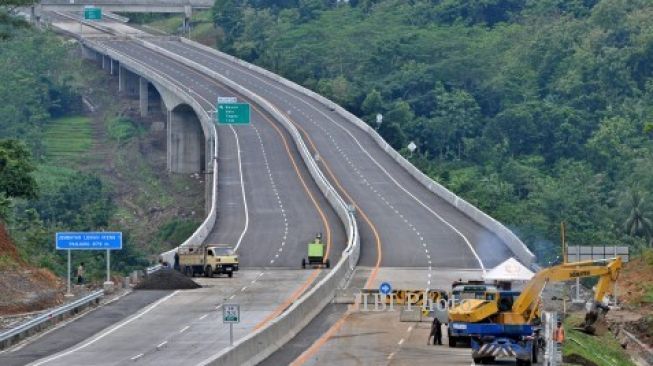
[(508, 237)]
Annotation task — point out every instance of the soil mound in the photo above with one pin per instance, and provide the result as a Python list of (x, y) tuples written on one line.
[(167, 279)]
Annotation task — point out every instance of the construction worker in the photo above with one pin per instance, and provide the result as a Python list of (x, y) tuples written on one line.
[(436, 332), (80, 273), (559, 333)]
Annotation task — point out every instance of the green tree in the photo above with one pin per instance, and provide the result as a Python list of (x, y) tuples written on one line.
[(638, 222)]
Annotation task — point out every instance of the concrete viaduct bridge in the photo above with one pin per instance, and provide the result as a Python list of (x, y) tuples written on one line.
[(189, 137)]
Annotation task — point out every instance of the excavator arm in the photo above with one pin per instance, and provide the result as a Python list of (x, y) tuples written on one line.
[(606, 270)]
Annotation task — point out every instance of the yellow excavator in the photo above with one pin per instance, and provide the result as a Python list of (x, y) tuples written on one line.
[(504, 322)]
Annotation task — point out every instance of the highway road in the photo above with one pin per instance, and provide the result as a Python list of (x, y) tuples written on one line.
[(415, 228), (268, 206)]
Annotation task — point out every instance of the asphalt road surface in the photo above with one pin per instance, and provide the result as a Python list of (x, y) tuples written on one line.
[(185, 326)]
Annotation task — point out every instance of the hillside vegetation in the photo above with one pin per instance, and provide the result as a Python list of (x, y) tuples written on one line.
[(537, 111), (64, 170)]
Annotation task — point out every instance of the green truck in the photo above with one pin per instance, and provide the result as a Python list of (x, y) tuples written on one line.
[(316, 253)]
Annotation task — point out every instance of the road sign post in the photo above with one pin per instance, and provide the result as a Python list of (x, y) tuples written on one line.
[(231, 315), (233, 114), (89, 241), (68, 292), (92, 13), (385, 288)]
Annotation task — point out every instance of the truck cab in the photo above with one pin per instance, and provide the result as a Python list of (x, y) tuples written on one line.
[(208, 260)]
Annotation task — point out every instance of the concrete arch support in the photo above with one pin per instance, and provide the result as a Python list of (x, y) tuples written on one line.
[(186, 143), (170, 99)]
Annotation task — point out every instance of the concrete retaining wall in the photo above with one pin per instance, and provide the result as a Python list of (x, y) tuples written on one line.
[(512, 241)]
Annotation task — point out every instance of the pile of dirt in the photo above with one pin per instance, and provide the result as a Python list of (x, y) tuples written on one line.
[(167, 279), (635, 279)]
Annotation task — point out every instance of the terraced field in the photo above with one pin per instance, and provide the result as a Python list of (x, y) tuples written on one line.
[(68, 139)]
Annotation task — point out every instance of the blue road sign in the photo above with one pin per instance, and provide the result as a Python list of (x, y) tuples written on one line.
[(89, 241), (385, 288)]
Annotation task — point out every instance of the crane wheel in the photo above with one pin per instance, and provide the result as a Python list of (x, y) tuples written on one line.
[(208, 272)]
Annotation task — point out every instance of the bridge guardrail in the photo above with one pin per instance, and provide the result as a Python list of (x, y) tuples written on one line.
[(25, 329), (506, 235), (154, 268), (259, 344)]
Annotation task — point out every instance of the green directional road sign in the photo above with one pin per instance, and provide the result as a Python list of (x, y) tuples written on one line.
[(92, 13), (233, 114)]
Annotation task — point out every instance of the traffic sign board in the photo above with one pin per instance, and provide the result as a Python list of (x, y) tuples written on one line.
[(233, 113), (89, 240), (92, 13), (385, 288), (226, 100), (231, 313)]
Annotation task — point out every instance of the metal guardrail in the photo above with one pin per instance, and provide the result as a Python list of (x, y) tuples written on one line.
[(18, 332), (150, 270)]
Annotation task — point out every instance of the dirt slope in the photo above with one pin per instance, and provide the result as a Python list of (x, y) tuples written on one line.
[(24, 288)]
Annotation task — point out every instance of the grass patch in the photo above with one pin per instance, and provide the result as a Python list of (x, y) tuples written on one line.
[(7, 263), (170, 24), (122, 129), (202, 25), (176, 231), (601, 350), (68, 139), (51, 177)]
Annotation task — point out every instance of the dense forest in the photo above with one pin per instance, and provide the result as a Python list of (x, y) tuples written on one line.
[(537, 111)]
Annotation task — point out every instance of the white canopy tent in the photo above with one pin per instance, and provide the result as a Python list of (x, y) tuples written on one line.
[(509, 270)]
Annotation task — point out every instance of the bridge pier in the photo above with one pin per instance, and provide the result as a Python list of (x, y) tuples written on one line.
[(113, 66), (105, 64), (186, 144), (127, 82), (144, 96)]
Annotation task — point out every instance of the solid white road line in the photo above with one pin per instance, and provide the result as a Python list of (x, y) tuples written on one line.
[(242, 189)]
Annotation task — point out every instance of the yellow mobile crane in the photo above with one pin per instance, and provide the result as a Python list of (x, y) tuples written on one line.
[(503, 323)]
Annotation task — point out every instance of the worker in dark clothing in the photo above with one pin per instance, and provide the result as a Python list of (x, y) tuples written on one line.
[(176, 265), (436, 332)]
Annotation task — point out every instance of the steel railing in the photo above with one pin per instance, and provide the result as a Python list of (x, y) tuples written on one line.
[(19, 331)]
